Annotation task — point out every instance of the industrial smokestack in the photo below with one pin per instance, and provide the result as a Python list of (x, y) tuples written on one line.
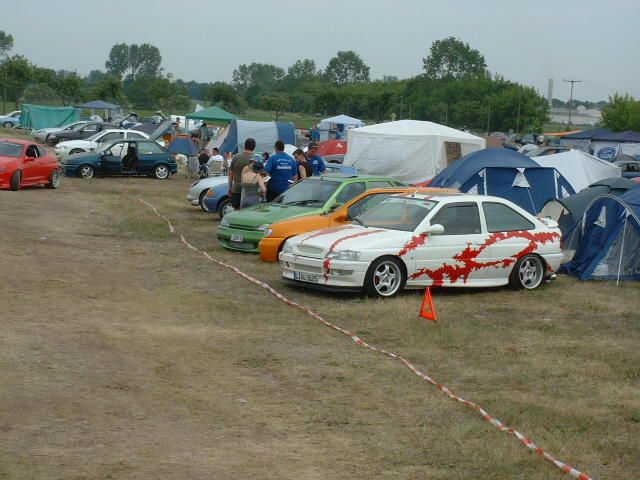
[(550, 91)]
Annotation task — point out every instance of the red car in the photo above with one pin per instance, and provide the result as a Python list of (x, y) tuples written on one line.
[(23, 163)]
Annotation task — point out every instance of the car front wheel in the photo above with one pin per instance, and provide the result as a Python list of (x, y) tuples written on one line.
[(527, 273), (86, 171), (161, 172), (54, 179), (385, 278), (16, 178), (225, 208), (201, 199), (7, 125)]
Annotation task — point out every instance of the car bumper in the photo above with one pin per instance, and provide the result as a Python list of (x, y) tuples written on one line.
[(69, 170), (242, 241), (554, 260), (341, 275), (269, 248)]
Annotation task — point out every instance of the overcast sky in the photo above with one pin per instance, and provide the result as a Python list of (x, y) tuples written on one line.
[(528, 42)]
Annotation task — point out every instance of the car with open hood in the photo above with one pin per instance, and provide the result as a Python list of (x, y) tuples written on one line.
[(243, 230), (122, 157), (79, 132), (420, 240), (23, 164)]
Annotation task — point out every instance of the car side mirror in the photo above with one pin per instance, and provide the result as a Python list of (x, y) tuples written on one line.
[(29, 159), (341, 217), (435, 229)]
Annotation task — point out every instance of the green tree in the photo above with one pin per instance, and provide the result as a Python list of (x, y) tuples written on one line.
[(108, 88), (6, 44), (258, 75), (451, 59), (69, 86), (275, 103), (118, 61), (622, 113), (347, 67), (135, 59), (302, 70), (17, 72), (225, 96)]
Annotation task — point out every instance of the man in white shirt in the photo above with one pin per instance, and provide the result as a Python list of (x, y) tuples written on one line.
[(215, 161)]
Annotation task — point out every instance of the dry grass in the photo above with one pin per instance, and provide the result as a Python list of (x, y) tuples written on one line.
[(137, 359)]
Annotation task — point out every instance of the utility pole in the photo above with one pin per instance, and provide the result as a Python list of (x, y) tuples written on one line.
[(571, 97), (489, 117), (518, 118), (401, 107)]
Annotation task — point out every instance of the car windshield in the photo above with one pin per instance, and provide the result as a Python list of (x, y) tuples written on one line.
[(10, 149), (94, 137), (308, 193), (397, 213)]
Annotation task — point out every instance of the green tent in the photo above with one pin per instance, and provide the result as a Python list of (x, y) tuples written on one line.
[(38, 116), (212, 114)]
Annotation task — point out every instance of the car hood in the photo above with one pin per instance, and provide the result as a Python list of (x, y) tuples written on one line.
[(81, 157), (268, 213), (77, 144), (7, 159), (295, 226), (350, 237)]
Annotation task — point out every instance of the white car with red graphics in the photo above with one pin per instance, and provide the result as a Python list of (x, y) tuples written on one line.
[(413, 241)]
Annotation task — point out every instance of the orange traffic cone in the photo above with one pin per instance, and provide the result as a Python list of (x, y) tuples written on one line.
[(428, 309)]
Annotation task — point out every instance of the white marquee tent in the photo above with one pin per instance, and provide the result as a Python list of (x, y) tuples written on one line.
[(411, 151), (579, 168), (338, 124)]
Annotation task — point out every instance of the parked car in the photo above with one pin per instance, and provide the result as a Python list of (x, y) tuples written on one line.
[(42, 135), (111, 159), (629, 168), (205, 186), (79, 132), (244, 229), (23, 163), (71, 147), (414, 241), (278, 233), (12, 120), (218, 200)]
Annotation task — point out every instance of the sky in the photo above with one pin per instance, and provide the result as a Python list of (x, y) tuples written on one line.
[(593, 41)]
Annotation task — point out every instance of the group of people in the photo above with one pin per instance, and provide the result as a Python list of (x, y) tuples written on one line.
[(247, 174)]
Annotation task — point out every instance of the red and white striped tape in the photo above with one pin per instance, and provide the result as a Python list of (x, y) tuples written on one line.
[(447, 391)]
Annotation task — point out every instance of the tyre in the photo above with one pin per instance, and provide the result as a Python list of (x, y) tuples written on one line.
[(201, 199), (54, 179), (7, 124), (86, 171), (225, 207), (76, 150), (527, 273), (16, 179), (161, 172), (385, 278)]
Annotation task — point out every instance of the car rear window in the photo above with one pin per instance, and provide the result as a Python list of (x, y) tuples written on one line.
[(10, 149)]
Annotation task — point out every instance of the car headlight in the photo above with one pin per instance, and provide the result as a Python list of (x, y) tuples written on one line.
[(288, 248), (224, 222), (264, 227), (344, 255)]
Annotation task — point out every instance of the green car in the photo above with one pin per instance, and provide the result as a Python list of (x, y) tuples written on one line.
[(243, 230)]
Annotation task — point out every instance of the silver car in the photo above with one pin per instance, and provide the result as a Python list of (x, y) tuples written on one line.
[(43, 134)]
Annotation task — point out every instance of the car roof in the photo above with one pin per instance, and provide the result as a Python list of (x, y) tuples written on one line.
[(18, 141), (453, 196), (346, 177)]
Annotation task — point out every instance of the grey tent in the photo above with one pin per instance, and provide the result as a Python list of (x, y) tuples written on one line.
[(99, 105)]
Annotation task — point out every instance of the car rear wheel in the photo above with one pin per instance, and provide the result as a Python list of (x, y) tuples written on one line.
[(527, 273), (225, 208), (16, 178), (385, 278), (7, 125), (201, 199), (76, 150), (161, 172), (86, 171), (54, 179)]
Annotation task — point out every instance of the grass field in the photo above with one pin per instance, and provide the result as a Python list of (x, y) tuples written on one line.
[(125, 355)]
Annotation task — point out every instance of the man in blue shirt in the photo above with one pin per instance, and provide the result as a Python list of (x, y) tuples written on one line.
[(283, 171), (315, 160)]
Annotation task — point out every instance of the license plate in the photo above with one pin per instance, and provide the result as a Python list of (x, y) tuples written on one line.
[(305, 277), (236, 238)]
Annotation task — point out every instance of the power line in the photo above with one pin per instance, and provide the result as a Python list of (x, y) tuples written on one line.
[(572, 82)]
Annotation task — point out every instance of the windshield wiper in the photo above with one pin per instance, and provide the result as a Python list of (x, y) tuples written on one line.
[(301, 202), (357, 220)]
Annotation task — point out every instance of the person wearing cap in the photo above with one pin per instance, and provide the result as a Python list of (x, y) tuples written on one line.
[(317, 163), (253, 187), (283, 171)]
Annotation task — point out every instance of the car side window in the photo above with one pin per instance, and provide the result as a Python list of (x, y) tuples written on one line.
[(350, 190), (502, 218), (459, 219), (148, 148), (41, 151), (31, 151), (111, 136), (90, 128), (366, 203), (134, 135), (379, 184)]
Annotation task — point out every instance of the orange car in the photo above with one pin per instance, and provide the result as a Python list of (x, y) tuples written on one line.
[(279, 232)]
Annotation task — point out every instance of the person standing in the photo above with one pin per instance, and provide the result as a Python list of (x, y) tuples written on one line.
[(304, 168), (239, 161), (283, 171), (253, 187), (316, 161), (203, 133)]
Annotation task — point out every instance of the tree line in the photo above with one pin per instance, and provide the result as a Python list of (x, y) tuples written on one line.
[(455, 88)]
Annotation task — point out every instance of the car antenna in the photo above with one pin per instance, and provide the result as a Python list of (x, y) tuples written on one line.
[(413, 195)]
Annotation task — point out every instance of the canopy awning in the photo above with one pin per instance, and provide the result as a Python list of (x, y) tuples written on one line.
[(212, 114)]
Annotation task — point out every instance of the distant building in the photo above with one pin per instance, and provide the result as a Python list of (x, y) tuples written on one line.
[(579, 116)]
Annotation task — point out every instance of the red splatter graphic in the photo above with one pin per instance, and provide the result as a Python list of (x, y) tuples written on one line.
[(415, 242), (469, 255), (327, 231), (327, 261)]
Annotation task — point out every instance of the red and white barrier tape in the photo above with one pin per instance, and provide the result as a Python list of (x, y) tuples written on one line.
[(447, 391)]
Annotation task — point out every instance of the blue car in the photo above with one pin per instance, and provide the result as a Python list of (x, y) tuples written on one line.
[(218, 200), (122, 157), (10, 121)]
